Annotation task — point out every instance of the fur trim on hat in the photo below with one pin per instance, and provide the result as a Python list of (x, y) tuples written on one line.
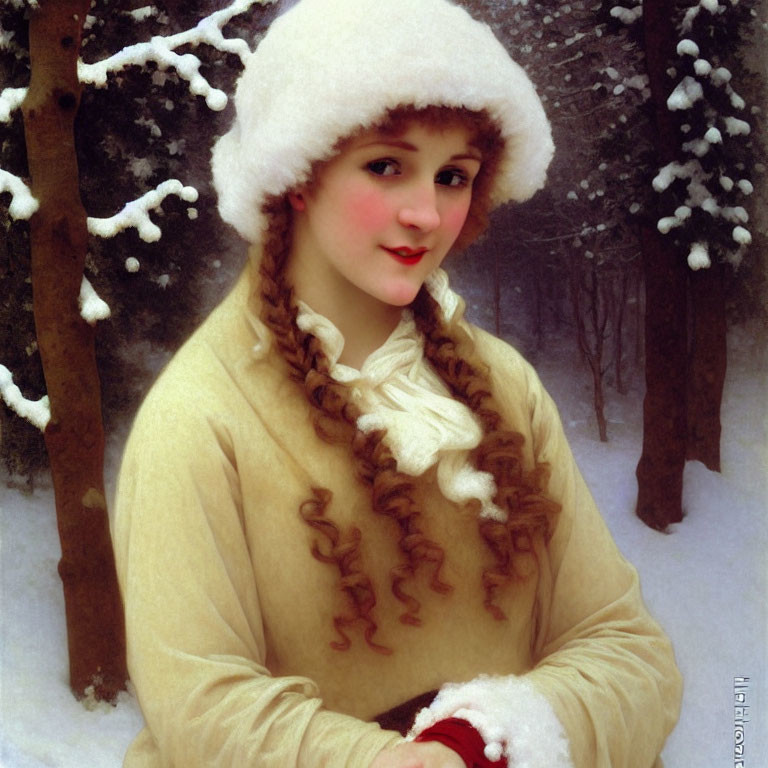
[(327, 68)]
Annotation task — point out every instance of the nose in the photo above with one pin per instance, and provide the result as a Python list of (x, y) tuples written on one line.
[(419, 209)]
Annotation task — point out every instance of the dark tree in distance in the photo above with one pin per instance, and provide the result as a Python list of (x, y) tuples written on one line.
[(703, 153)]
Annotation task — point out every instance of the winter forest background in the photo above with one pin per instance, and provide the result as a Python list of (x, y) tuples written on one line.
[(561, 277)]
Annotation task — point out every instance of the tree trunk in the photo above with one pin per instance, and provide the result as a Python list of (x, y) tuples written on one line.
[(706, 375), (74, 437), (660, 469), (620, 307), (592, 354)]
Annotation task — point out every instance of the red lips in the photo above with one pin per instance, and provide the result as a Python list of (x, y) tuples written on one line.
[(406, 255)]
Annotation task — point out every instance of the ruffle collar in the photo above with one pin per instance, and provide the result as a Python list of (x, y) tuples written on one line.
[(397, 390)]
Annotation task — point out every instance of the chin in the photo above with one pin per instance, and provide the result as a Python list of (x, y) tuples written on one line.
[(402, 296)]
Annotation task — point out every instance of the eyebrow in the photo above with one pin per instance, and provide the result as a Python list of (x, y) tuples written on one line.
[(399, 144)]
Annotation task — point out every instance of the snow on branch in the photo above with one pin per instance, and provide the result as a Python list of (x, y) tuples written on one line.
[(688, 48), (37, 412), (698, 257), (687, 92), (713, 6), (162, 50), (627, 15), (136, 212), (23, 204), (22, 3), (92, 307), (699, 196), (10, 100), (141, 14)]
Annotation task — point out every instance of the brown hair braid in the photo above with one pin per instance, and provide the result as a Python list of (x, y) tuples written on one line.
[(335, 418), (518, 492)]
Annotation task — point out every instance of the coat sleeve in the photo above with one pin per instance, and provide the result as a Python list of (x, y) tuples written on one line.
[(604, 664), (604, 691), (196, 644)]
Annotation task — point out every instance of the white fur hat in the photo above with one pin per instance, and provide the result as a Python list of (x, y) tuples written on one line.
[(326, 68)]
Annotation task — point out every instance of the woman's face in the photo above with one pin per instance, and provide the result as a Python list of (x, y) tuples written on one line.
[(385, 212)]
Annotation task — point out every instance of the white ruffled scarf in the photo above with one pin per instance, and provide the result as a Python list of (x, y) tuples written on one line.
[(397, 390)]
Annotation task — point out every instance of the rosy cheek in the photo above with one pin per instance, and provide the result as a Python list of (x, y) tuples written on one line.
[(365, 209), (455, 216)]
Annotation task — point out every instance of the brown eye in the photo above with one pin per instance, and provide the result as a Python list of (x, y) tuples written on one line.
[(452, 177), (383, 167)]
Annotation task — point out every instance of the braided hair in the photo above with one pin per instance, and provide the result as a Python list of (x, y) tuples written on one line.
[(520, 493)]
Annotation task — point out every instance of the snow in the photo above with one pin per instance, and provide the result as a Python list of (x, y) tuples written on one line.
[(687, 47), (736, 101), (736, 127), (23, 204), (687, 92), (698, 257), (742, 235), (10, 100), (22, 3), (37, 412), (720, 76), (162, 50), (136, 212), (6, 37), (639, 82), (92, 307), (142, 14), (735, 213), (666, 223), (141, 167), (698, 147), (672, 171), (627, 15), (705, 581), (713, 136)]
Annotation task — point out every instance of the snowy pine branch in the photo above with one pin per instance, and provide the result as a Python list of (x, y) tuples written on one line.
[(136, 212), (37, 412), (710, 183), (23, 204), (162, 50)]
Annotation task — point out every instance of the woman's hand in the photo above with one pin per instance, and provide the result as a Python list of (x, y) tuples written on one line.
[(424, 754)]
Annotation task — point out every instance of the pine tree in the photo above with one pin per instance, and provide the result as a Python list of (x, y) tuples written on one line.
[(66, 306)]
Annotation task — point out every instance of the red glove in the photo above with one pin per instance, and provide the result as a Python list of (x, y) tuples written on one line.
[(463, 739)]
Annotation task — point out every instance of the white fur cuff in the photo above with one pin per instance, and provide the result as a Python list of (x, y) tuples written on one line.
[(513, 718)]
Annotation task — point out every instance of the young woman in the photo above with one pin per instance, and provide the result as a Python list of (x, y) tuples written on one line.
[(343, 507)]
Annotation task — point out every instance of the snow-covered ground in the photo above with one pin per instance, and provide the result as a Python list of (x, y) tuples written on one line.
[(705, 581)]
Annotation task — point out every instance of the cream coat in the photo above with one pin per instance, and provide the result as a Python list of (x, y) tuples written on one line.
[(229, 616)]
